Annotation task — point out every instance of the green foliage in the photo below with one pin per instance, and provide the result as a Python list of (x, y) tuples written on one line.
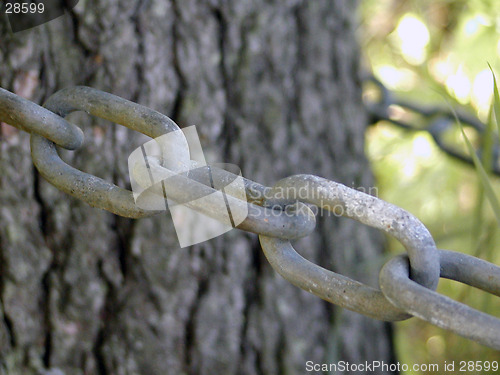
[(496, 101), (482, 174), (457, 203)]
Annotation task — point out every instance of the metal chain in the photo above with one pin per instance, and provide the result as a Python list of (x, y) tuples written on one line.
[(435, 120), (407, 283)]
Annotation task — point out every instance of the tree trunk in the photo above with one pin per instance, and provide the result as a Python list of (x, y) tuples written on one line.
[(273, 87)]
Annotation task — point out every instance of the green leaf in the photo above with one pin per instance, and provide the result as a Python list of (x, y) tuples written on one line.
[(496, 100), (488, 142), (481, 173)]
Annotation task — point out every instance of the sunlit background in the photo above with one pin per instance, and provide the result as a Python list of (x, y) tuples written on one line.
[(436, 53)]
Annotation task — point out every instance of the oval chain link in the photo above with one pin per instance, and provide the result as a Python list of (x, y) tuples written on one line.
[(278, 214), (91, 189), (34, 119), (100, 193), (370, 211), (440, 310), (366, 209)]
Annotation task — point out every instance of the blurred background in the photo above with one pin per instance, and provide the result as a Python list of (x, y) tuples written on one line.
[(435, 53)]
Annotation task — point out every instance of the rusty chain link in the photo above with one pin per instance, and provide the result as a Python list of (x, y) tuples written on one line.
[(278, 214)]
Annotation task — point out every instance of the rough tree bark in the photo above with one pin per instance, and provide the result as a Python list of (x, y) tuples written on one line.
[(273, 87)]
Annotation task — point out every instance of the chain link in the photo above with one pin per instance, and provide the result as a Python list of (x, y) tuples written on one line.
[(278, 214), (34, 119), (441, 310), (91, 189), (368, 210)]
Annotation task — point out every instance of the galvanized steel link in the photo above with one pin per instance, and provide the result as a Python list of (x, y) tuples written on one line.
[(370, 211), (440, 310), (102, 194), (91, 189), (291, 222), (330, 286), (362, 207), (32, 118), (277, 214)]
